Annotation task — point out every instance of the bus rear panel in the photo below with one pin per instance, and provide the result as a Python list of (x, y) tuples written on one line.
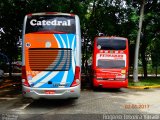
[(51, 44), (110, 62)]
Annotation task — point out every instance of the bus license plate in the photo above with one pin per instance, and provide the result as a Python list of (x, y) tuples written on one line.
[(49, 92)]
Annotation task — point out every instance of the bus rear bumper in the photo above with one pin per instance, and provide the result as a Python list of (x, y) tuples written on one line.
[(110, 84), (51, 93)]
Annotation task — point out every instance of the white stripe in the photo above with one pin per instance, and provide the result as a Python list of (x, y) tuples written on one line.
[(57, 41), (23, 106), (38, 76), (62, 41), (64, 78), (68, 41), (49, 77), (73, 51), (73, 43), (73, 64), (75, 57)]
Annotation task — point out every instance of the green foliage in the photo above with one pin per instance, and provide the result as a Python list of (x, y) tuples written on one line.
[(111, 17), (134, 17)]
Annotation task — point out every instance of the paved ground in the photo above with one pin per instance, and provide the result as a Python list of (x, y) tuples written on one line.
[(91, 104)]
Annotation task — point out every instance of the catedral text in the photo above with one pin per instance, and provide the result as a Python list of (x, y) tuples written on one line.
[(35, 22)]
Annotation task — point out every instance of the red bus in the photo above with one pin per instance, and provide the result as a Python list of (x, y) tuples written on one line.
[(110, 62)]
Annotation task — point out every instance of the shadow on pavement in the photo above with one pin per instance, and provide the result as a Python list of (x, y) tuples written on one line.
[(107, 90), (46, 103)]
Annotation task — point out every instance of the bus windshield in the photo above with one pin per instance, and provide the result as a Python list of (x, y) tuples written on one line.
[(50, 23), (111, 44)]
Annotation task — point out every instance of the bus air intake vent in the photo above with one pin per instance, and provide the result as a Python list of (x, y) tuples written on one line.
[(50, 59)]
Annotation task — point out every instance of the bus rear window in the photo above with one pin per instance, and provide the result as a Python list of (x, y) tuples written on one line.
[(50, 23), (111, 64), (111, 44)]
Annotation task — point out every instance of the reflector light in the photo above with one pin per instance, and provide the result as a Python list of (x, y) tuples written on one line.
[(71, 90), (123, 71), (24, 77), (76, 77)]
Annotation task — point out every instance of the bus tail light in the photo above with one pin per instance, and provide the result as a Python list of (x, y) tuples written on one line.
[(24, 77), (76, 77)]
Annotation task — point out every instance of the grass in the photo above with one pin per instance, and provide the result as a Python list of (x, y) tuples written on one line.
[(150, 81), (150, 70)]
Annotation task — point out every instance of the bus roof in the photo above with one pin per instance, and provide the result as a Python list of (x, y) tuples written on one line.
[(111, 37), (51, 13)]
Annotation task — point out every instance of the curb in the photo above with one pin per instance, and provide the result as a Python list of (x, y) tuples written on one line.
[(143, 87)]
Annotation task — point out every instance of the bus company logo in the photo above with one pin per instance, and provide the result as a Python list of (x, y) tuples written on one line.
[(60, 84), (28, 44), (35, 22), (111, 55)]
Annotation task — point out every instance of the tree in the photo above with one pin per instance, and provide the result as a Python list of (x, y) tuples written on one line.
[(111, 17), (135, 71)]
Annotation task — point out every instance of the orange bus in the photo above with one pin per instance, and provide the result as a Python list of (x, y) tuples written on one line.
[(110, 62)]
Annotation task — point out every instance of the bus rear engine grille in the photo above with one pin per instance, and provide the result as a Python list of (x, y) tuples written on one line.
[(50, 59)]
